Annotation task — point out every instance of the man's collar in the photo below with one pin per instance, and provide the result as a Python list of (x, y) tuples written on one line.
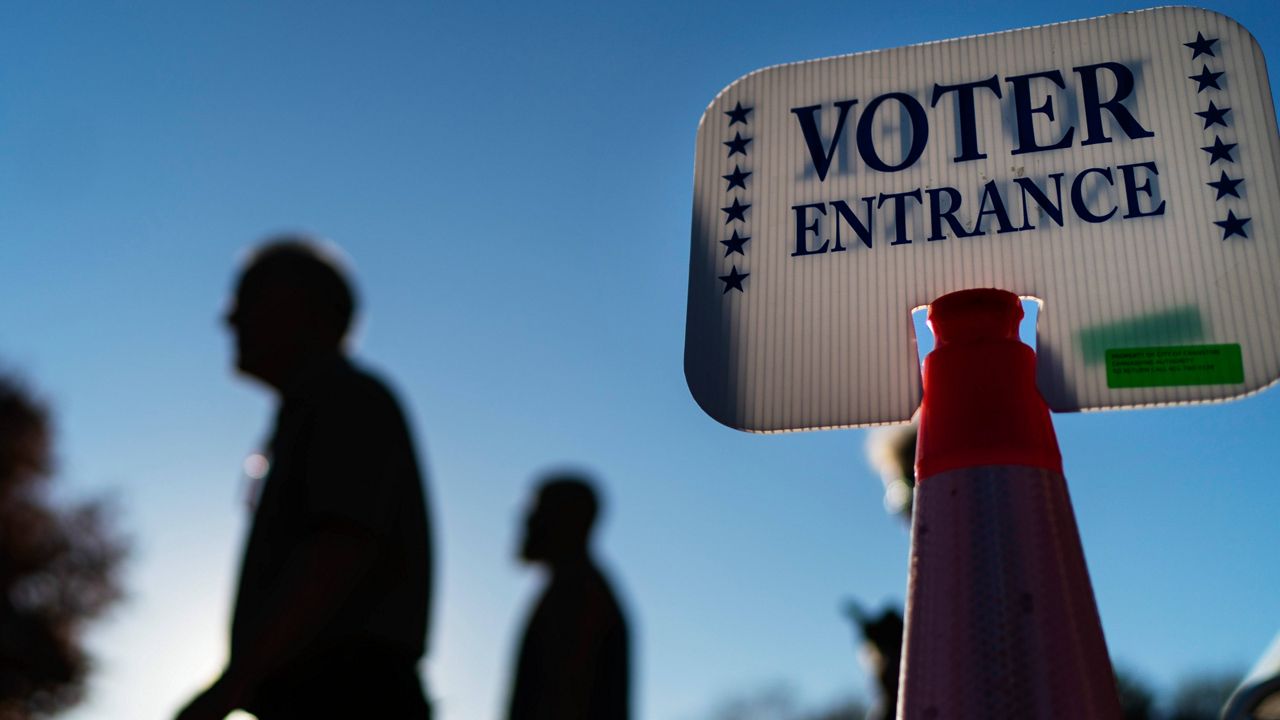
[(313, 375)]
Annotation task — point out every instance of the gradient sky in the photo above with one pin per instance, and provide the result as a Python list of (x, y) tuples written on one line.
[(512, 184)]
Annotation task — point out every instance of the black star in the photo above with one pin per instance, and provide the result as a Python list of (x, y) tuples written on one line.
[(1201, 46), (738, 144), (733, 281), (1225, 186), (736, 211), (734, 244), (1219, 151), (737, 178), (738, 114), (1206, 79), (1214, 116), (1232, 225)]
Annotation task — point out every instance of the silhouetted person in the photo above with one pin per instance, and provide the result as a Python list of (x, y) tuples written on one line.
[(882, 652), (331, 613), (573, 662)]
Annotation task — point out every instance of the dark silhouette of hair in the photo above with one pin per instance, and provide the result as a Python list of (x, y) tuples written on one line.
[(574, 498), (299, 262), (565, 514), (58, 569)]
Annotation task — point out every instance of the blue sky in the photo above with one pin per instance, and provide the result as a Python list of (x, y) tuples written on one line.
[(512, 184)]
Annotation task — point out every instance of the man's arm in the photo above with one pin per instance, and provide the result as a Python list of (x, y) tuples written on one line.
[(308, 595)]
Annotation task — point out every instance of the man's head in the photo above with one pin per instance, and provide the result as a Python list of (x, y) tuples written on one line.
[(559, 526), (292, 303)]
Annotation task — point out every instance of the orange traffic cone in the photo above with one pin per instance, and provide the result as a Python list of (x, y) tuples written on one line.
[(1000, 618)]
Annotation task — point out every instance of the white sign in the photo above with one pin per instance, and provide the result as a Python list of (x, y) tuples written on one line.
[(1122, 170)]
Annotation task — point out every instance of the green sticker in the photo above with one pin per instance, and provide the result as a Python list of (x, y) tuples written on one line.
[(1176, 365)]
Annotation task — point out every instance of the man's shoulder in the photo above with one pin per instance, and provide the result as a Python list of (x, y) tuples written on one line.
[(368, 382), (604, 586), (355, 395), (593, 588)]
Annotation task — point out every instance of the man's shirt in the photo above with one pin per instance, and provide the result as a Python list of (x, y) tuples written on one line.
[(574, 658), (341, 460)]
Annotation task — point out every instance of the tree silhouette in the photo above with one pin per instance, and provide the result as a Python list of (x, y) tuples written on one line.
[(1201, 697), (776, 701), (1136, 699), (58, 569)]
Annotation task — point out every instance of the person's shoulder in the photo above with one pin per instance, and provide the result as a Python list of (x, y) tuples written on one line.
[(360, 394), (368, 383), (602, 591)]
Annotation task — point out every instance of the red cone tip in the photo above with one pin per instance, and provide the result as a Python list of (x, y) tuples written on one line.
[(971, 315), (981, 404)]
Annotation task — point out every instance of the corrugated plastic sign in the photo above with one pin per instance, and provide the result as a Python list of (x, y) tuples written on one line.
[(1122, 170)]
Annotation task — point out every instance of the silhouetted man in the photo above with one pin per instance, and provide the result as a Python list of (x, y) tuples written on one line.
[(331, 613), (573, 662)]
